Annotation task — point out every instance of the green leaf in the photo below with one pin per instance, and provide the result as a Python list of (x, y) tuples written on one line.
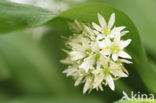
[(30, 68), (4, 72), (17, 16), (88, 13)]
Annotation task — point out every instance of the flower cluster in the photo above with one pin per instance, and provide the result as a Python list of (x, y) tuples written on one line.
[(96, 54)]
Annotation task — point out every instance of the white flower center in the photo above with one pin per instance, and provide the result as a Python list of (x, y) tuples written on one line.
[(106, 31), (107, 70), (115, 49), (88, 52)]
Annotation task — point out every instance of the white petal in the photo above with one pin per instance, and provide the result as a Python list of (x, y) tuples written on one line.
[(125, 43), (104, 61), (75, 46), (105, 52), (111, 21), (66, 61), (85, 44), (84, 66), (100, 37), (66, 51), (101, 44), (98, 77), (97, 27), (125, 61), (122, 74), (119, 29), (89, 30), (119, 73), (97, 81), (117, 39), (88, 63), (94, 47), (110, 82), (77, 82), (87, 84), (111, 35), (100, 86), (78, 24), (102, 21), (124, 32), (108, 42), (70, 70), (76, 55), (114, 65), (114, 57), (96, 32), (123, 54), (85, 88)]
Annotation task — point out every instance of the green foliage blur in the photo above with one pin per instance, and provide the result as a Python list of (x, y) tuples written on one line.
[(30, 54)]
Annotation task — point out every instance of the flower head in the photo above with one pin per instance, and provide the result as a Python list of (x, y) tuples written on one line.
[(96, 54)]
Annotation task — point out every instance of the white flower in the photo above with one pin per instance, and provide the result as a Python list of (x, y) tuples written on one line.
[(117, 47), (104, 28), (110, 68), (96, 56)]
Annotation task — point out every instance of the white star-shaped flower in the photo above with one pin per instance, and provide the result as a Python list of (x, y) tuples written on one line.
[(117, 48), (104, 28)]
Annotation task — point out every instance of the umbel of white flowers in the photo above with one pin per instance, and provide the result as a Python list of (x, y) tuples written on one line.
[(95, 54)]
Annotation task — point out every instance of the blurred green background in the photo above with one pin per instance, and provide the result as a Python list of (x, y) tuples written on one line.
[(30, 71)]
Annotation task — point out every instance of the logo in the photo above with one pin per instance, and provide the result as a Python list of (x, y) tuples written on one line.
[(137, 97)]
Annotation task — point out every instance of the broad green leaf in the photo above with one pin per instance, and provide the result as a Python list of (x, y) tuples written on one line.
[(17, 16), (4, 72), (30, 68), (153, 64), (88, 13)]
